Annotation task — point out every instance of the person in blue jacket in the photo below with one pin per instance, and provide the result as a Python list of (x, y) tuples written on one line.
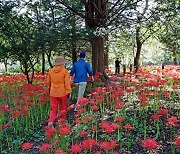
[(81, 69)]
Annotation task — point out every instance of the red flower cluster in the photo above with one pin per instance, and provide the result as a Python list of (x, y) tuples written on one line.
[(76, 148), (44, 147), (26, 146), (49, 132), (149, 143), (108, 145), (64, 131), (177, 142), (163, 111), (109, 128), (128, 127), (88, 144), (172, 121)]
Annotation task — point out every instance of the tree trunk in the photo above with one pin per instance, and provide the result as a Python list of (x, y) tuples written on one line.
[(74, 53), (95, 50), (5, 65), (174, 58), (98, 56), (139, 46), (49, 58), (136, 59), (106, 62), (43, 60)]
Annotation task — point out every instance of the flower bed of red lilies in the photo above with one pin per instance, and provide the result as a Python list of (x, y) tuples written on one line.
[(136, 113)]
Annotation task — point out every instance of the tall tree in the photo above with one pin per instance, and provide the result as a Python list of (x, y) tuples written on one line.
[(98, 16), (169, 34), (19, 31)]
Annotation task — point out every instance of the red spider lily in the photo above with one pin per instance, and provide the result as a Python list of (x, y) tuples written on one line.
[(49, 132), (77, 122), (128, 127), (177, 142), (64, 131), (163, 111), (86, 118), (113, 144), (155, 117), (7, 125), (83, 133), (59, 151), (98, 152), (26, 146), (166, 94), (120, 119), (104, 124), (172, 121), (114, 95), (143, 98), (94, 129), (62, 120), (80, 111), (143, 103), (149, 143), (115, 126), (106, 146), (44, 147), (108, 129), (162, 81), (76, 148), (5, 107), (88, 144), (83, 101), (128, 89), (70, 107), (93, 102), (16, 114), (94, 108), (25, 110), (115, 152)]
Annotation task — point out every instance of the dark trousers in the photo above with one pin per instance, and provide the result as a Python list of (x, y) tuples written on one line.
[(117, 70)]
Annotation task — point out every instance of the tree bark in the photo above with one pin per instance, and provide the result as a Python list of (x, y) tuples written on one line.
[(174, 58), (5, 65), (49, 58), (98, 57), (43, 60), (106, 61), (95, 50), (73, 51), (139, 46)]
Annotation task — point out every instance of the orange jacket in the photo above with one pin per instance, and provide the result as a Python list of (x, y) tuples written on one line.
[(58, 81)]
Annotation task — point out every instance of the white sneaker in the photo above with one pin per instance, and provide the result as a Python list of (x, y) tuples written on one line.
[(50, 124), (75, 109)]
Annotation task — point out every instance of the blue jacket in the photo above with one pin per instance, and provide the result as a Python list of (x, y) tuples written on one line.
[(81, 68)]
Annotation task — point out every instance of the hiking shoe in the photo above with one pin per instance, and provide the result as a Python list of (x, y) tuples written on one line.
[(50, 124), (75, 109)]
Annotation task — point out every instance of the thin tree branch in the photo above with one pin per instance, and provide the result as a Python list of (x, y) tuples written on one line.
[(72, 9)]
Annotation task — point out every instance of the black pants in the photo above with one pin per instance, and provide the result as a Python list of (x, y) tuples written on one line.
[(117, 70)]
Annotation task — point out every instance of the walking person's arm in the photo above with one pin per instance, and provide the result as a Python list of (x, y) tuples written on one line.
[(49, 82), (67, 85), (90, 72)]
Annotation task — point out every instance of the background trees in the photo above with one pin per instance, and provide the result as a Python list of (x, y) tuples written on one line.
[(33, 32)]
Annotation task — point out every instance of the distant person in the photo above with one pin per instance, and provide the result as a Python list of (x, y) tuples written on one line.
[(58, 81), (117, 66), (81, 69)]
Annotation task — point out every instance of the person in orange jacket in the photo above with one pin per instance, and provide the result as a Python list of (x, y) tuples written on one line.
[(58, 81)]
